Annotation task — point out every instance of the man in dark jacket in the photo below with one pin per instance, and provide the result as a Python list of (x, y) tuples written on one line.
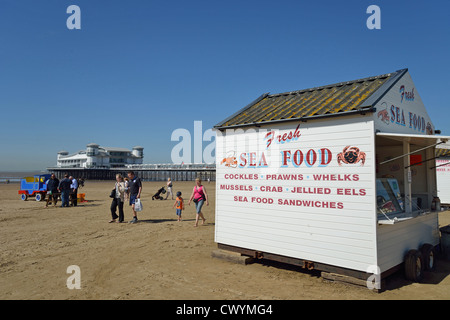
[(52, 190), (64, 187), (134, 189)]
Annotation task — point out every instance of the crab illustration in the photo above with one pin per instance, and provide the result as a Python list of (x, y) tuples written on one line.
[(384, 116), (351, 155), (230, 160), (429, 128)]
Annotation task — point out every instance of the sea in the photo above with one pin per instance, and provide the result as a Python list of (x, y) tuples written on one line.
[(14, 177)]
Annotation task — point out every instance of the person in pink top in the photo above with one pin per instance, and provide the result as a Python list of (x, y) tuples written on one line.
[(199, 196)]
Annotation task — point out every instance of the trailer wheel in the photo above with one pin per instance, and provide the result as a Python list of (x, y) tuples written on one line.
[(428, 256), (414, 265), (24, 197), (40, 197)]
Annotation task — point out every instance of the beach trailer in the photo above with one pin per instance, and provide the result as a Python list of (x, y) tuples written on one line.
[(34, 186), (443, 175), (338, 178)]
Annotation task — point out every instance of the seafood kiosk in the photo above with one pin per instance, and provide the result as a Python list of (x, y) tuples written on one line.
[(338, 178)]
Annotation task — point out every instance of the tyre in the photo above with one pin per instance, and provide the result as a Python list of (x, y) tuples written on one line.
[(40, 197), (414, 266), (24, 197), (429, 257)]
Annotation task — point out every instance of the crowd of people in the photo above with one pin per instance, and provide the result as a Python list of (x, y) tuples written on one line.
[(128, 190), (67, 188)]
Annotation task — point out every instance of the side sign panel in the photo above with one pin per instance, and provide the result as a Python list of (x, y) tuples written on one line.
[(401, 110)]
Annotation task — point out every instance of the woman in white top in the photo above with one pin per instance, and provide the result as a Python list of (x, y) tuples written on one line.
[(169, 188), (118, 199)]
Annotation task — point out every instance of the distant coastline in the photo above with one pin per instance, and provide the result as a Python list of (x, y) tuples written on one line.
[(15, 176)]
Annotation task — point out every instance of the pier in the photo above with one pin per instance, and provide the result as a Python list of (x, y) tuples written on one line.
[(147, 172)]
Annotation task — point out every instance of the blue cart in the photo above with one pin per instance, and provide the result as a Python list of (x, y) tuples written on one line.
[(35, 186)]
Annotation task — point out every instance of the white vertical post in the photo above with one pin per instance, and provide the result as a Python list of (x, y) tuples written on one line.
[(431, 175), (407, 177)]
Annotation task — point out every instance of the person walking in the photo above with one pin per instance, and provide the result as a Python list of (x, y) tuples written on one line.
[(169, 188), (134, 189), (179, 205), (199, 196), (64, 187), (73, 191), (52, 190), (118, 199)]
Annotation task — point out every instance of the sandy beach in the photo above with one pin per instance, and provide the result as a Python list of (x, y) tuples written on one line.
[(157, 258)]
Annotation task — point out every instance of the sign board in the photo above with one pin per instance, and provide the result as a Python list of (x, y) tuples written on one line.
[(302, 190), (401, 110), (443, 179)]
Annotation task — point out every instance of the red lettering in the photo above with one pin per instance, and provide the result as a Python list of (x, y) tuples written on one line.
[(298, 158), (297, 132), (311, 157), (252, 159), (269, 136), (350, 192), (262, 161), (285, 157), (289, 135), (325, 156), (240, 199), (243, 158)]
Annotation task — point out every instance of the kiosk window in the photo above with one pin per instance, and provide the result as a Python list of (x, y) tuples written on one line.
[(389, 199)]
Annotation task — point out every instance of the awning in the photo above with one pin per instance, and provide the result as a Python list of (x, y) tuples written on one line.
[(423, 140), (419, 139)]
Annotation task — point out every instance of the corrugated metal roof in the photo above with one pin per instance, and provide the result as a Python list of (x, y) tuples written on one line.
[(339, 98)]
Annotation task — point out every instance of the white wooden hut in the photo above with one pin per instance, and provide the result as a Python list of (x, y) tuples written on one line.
[(338, 178)]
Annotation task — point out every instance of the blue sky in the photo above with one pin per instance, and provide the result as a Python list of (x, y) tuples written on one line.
[(137, 70)]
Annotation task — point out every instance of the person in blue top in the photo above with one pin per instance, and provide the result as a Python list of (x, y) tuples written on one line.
[(64, 187), (74, 191), (134, 189)]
